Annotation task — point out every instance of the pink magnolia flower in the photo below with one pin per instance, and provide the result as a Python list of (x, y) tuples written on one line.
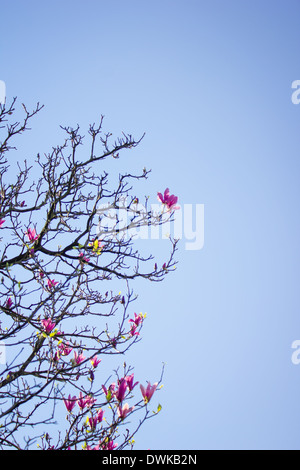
[(133, 331), (168, 200), (109, 445), (56, 356), (148, 391), (51, 283), (2, 222), (78, 358), (120, 393), (123, 412), (9, 303), (137, 319), (70, 403), (89, 401), (95, 361), (129, 379), (83, 258), (92, 421), (109, 391), (81, 401), (48, 325), (135, 323), (32, 235), (92, 448), (100, 414), (65, 349)]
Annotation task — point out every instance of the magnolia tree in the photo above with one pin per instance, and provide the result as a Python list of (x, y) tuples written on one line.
[(65, 253)]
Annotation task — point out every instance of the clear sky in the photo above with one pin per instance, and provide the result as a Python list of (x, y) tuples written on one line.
[(210, 84)]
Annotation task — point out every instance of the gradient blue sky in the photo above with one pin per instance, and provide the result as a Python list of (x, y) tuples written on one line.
[(210, 84)]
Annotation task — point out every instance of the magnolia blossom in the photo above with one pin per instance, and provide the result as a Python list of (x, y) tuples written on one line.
[(48, 325), (121, 392), (78, 358), (85, 402), (64, 348), (81, 401), (109, 391), (83, 258), (70, 402), (32, 235), (167, 200), (129, 379), (8, 303), (56, 356), (133, 331), (51, 283), (148, 391), (109, 445), (89, 401), (95, 361), (87, 447), (137, 319), (100, 414), (2, 222), (123, 412), (135, 323), (92, 421)]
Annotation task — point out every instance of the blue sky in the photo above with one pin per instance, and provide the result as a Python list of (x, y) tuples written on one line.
[(210, 84)]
